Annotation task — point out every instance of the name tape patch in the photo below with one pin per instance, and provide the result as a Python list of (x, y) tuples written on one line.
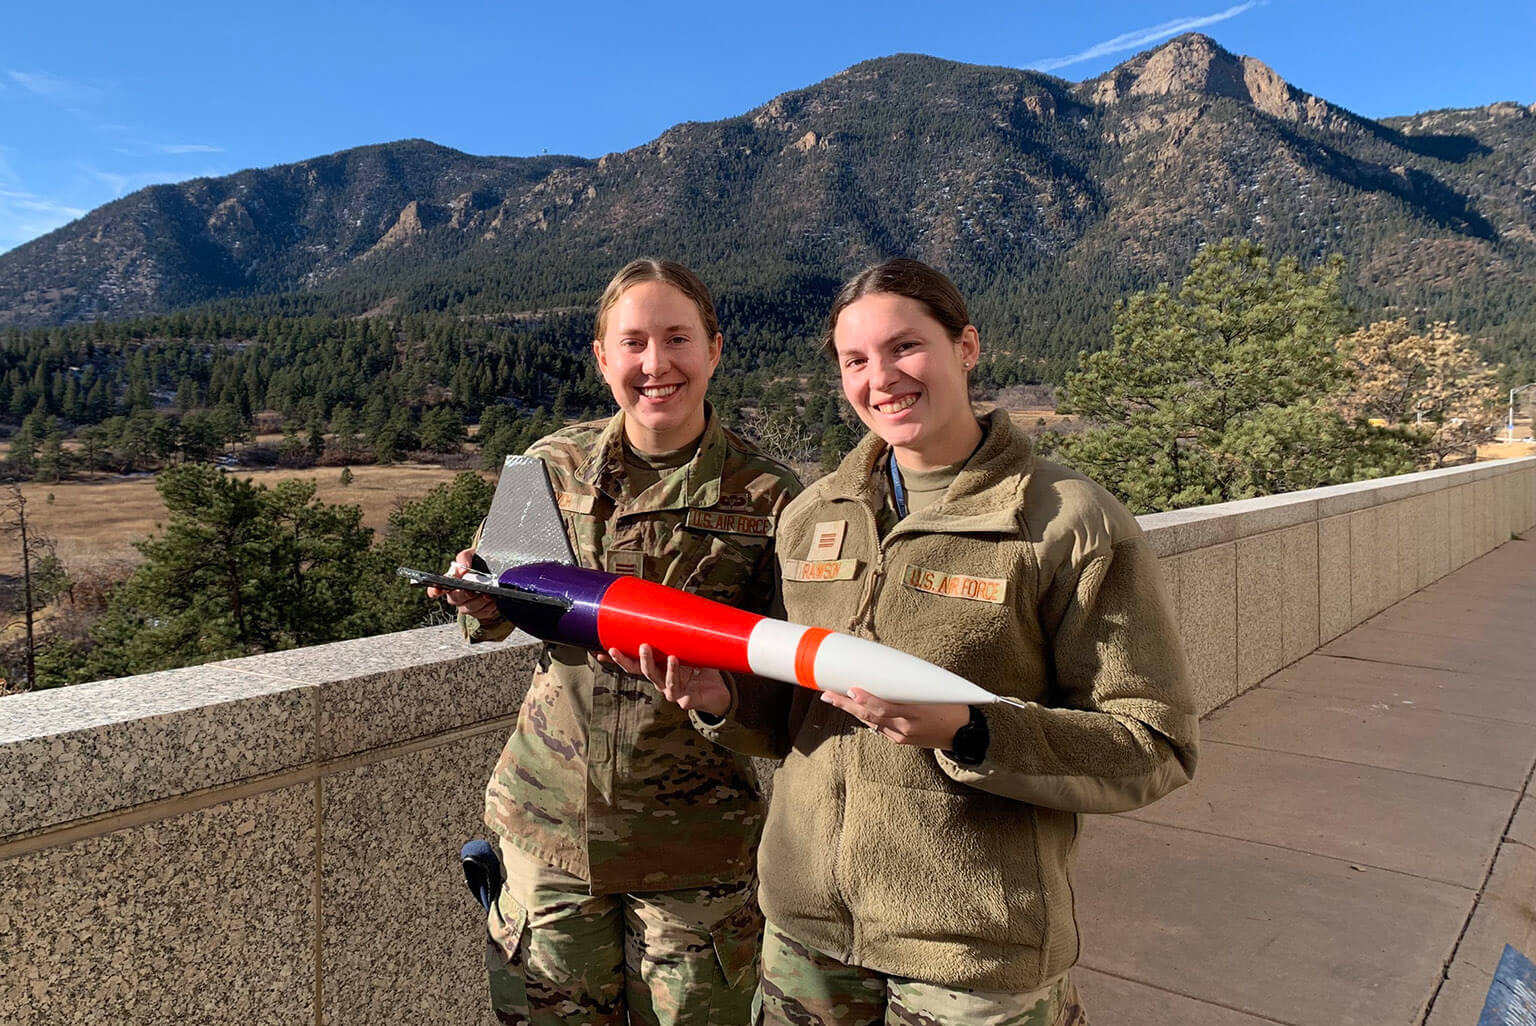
[(820, 569), (937, 582), (730, 523)]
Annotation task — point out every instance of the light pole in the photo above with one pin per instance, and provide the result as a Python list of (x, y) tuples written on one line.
[(1510, 436)]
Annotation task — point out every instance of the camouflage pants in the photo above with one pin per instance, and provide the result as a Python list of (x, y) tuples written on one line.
[(558, 955), (803, 987)]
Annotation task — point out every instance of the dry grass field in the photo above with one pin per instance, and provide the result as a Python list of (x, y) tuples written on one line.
[(99, 520), (1033, 421), (1505, 450), (1525, 431)]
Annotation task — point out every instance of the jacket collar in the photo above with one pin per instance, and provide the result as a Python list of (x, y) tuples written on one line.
[(696, 483), (986, 495)]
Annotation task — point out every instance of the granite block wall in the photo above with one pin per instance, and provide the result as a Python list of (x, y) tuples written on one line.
[(206, 916), (264, 840)]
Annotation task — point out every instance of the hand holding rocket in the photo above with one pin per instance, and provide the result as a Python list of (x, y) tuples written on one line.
[(696, 688), (471, 603)]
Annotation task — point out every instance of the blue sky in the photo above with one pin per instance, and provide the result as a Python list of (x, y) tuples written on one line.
[(99, 99)]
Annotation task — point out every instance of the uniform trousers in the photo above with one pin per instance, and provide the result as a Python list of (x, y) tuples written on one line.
[(559, 955), (804, 987)]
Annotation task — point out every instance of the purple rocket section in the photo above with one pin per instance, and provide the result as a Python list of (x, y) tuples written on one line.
[(583, 588)]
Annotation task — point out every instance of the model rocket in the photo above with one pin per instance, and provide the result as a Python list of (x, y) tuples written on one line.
[(555, 600)]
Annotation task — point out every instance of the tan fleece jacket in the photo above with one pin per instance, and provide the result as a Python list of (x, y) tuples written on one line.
[(1033, 582)]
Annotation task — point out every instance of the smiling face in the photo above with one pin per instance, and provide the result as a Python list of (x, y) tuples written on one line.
[(657, 358), (906, 378)]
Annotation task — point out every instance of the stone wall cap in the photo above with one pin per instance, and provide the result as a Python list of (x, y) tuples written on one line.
[(100, 703)]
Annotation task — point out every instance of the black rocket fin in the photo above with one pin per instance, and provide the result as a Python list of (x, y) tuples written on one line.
[(517, 595), (523, 525)]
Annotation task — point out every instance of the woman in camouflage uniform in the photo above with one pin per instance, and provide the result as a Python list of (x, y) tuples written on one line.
[(628, 838), (916, 864)]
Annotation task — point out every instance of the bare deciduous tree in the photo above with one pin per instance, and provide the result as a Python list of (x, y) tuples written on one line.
[(781, 436), (42, 573), (1431, 382)]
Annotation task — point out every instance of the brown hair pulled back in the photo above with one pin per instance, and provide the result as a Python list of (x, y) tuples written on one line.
[(669, 271), (902, 277)]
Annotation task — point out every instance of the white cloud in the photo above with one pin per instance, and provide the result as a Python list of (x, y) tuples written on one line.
[(53, 87), (172, 149), (131, 143), (24, 216), (1138, 38), (122, 183)]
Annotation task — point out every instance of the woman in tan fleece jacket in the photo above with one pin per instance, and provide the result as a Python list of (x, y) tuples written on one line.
[(916, 865)]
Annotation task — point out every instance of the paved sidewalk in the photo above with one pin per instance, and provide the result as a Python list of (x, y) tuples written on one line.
[(1356, 848)]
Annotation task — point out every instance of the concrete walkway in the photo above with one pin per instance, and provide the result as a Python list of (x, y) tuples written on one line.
[(1357, 846)]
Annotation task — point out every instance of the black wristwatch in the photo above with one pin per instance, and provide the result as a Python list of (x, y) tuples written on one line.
[(969, 747)]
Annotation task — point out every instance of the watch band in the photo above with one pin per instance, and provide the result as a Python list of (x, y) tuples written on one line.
[(969, 747)]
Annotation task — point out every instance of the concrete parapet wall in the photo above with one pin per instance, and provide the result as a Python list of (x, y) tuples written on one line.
[(1260, 583), (263, 840), (274, 839)]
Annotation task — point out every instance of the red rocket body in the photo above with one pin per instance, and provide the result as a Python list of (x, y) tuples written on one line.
[(538, 586), (605, 610)]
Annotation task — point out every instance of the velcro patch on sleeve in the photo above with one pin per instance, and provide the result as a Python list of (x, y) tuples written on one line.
[(820, 569), (827, 540), (734, 501), (938, 582), (573, 503), (625, 561), (730, 523)]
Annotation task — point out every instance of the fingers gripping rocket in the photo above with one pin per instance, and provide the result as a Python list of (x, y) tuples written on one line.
[(537, 585)]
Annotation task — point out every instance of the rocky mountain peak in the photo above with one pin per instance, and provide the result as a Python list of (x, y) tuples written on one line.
[(1185, 64), (1510, 109), (1194, 63)]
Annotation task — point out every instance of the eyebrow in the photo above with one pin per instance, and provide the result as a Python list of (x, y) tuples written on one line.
[(672, 329), (905, 335)]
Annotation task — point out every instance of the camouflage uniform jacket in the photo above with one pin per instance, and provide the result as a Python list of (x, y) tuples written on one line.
[(603, 777)]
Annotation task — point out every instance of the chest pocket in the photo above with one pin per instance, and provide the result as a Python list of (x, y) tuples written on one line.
[(588, 520), (726, 567), (835, 602), (586, 535), (826, 587)]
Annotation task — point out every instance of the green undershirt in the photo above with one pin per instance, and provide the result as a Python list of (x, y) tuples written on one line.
[(644, 469), (926, 487)]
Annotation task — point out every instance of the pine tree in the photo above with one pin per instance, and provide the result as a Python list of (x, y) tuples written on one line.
[(21, 460), (424, 534), (52, 462), (239, 569), (344, 428), (1225, 389), (442, 430)]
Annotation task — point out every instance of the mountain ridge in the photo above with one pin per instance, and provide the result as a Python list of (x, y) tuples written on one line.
[(1029, 188)]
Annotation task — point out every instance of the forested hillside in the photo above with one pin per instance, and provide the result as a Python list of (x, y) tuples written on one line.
[(1047, 200)]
